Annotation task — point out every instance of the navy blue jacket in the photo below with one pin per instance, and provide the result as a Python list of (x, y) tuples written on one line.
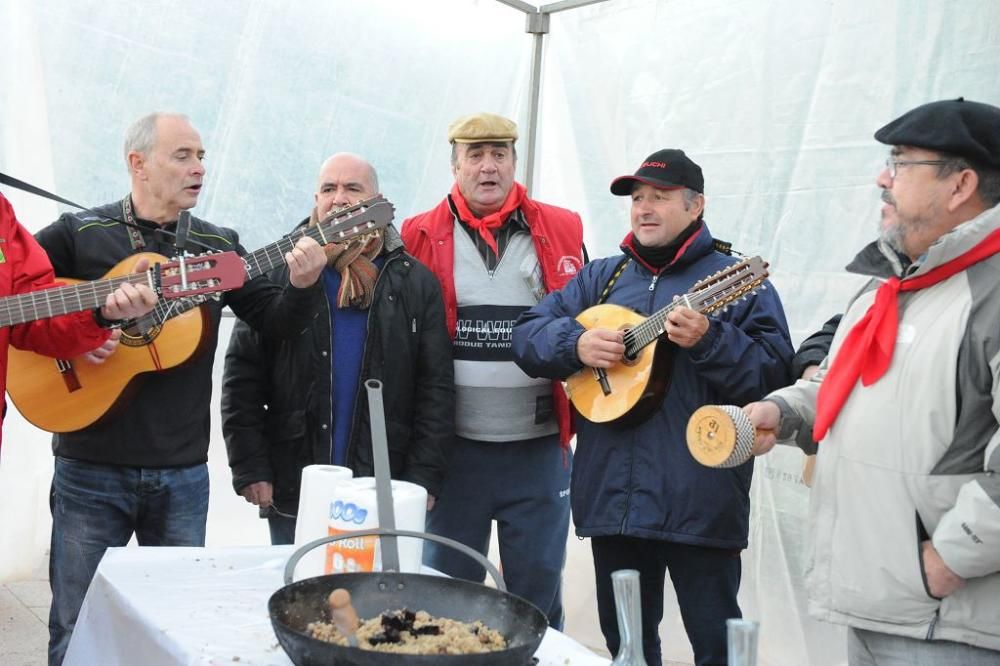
[(641, 480)]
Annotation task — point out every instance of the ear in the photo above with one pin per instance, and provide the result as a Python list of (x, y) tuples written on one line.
[(964, 189), (136, 163), (697, 207)]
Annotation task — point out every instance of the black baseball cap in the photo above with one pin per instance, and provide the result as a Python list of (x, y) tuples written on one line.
[(955, 126), (666, 169)]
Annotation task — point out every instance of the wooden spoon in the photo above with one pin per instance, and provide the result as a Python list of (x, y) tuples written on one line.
[(344, 617)]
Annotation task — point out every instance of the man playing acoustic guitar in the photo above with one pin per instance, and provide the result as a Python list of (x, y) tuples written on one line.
[(24, 268), (636, 490), (296, 402), (142, 468)]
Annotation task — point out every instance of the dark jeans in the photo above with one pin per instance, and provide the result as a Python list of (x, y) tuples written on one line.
[(95, 507), (524, 486), (282, 528), (706, 581)]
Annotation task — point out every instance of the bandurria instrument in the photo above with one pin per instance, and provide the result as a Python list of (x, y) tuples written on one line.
[(631, 390), (61, 395)]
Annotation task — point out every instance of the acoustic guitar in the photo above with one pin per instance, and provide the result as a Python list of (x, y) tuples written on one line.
[(631, 390), (64, 395), (208, 273)]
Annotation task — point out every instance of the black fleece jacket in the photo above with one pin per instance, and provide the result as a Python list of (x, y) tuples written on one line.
[(276, 394)]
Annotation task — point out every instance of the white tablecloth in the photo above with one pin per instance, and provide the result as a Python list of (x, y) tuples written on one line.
[(172, 606)]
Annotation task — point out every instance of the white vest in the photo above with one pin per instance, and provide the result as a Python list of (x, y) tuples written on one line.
[(494, 400)]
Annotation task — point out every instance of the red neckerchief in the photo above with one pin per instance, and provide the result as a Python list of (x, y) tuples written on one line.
[(486, 225), (867, 349)]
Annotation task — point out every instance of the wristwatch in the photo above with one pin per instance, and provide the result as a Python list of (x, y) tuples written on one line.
[(104, 322)]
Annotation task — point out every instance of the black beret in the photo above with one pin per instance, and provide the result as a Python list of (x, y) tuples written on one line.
[(966, 129)]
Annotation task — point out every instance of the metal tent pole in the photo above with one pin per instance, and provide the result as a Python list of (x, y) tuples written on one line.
[(537, 25)]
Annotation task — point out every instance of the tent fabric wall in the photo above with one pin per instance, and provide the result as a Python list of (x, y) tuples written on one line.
[(776, 99)]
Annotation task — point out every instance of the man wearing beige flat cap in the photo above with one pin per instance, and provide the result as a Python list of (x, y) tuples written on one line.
[(497, 252)]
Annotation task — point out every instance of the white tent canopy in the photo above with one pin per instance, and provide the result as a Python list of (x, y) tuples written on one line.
[(777, 100)]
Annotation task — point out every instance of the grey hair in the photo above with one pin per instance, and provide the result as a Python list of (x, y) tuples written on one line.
[(505, 144), (989, 179), (690, 196), (140, 137)]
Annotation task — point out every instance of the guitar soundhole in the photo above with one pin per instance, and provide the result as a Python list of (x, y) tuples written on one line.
[(136, 338), (629, 358)]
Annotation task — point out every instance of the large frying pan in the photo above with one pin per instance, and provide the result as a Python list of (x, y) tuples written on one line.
[(297, 604)]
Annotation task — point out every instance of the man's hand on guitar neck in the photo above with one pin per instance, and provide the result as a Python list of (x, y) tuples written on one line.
[(305, 262), (685, 327), (600, 347)]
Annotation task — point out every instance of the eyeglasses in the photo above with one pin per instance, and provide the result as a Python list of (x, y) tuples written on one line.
[(892, 164)]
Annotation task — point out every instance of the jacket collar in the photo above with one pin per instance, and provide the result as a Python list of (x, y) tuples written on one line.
[(696, 247)]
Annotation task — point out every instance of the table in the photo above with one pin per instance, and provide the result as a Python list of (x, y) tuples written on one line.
[(208, 606)]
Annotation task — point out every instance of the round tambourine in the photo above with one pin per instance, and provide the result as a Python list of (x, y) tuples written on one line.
[(720, 436)]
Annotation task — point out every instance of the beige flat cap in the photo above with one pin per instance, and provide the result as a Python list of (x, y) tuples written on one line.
[(481, 128)]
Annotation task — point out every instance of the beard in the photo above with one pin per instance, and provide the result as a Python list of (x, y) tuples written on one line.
[(891, 233), (896, 232)]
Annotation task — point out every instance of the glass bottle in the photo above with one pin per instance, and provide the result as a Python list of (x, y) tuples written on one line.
[(742, 635), (629, 609)]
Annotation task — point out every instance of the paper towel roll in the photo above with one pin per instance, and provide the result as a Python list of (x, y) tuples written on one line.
[(319, 485), (410, 505), (354, 506)]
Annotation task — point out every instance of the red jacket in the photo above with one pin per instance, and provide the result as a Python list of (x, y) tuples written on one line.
[(558, 237), (25, 267)]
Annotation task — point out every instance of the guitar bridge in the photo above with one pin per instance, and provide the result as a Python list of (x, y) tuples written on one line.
[(68, 374), (601, 375)]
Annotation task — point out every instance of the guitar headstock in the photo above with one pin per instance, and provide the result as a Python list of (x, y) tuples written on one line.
[(203, 274), (346, 223), (730, 284)]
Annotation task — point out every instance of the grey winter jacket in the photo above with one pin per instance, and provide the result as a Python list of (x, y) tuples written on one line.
[(915, 455)]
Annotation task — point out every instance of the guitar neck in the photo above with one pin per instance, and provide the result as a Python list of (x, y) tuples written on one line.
[(653, 326), (57, 301), (272, 255)]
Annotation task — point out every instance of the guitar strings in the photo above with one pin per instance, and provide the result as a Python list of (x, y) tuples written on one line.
[(651, 328)]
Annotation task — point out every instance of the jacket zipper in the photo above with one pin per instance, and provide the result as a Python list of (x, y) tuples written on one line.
[(628, 494), (933, 625), (329, 393), (364, 366)]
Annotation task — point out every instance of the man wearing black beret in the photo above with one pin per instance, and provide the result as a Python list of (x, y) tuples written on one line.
[(905, 513)]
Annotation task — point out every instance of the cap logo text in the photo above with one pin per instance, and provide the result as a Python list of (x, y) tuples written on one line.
[(661, 165)]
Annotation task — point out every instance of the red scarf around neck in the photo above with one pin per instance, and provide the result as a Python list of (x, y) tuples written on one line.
[(867, 349), (487, 225)]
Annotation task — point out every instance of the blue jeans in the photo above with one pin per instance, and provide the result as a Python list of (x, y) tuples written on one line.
[(524, 486), (95, 507)]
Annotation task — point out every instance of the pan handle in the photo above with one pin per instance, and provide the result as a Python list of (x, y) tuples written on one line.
[(451, 543)]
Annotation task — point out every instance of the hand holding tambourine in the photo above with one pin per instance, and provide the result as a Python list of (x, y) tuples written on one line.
[(726, 436)]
